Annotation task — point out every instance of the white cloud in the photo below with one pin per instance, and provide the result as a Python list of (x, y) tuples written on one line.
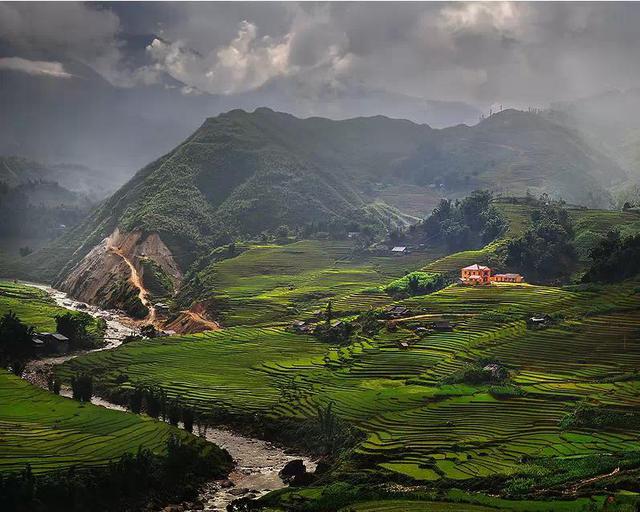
[(245, 63), (34, 67)]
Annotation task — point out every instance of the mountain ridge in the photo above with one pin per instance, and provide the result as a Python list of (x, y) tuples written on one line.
[(242, 173)]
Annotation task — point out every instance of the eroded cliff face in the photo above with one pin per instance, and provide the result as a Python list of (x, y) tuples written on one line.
[(112, 273)]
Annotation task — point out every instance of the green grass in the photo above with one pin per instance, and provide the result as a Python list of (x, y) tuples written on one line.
[(413, 424), (50, 432), (274, 283), (413, 506), (33, 306)]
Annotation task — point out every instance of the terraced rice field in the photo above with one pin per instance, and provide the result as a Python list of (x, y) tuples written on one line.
[(414, 424), (32, 305), (50, 432), (270, 283)]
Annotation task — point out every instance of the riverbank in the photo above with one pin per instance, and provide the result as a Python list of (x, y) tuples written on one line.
[(256, 462)]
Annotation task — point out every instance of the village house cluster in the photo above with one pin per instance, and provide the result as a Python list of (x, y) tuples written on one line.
[(481, 275)]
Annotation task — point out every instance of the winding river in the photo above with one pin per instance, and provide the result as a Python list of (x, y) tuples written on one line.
[(257, 462)]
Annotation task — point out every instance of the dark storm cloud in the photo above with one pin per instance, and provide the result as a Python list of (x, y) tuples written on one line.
[(512, 53)]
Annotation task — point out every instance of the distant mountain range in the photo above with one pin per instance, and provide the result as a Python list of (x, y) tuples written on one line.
[(243, 173), (84, 119)]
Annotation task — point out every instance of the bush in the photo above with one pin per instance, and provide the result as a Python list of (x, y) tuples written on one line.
[(614, 259), (416, 283), (596, 418)]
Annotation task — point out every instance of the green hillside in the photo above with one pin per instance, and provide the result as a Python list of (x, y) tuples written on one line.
[(243, 173), (284, 281), (50, 432), (33, 306), (414, 422), (425, 411)]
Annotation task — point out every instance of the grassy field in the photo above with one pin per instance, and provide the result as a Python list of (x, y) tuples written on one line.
[(414, 423), (50, 432), (32, 305), (417, 423), (271, 283)]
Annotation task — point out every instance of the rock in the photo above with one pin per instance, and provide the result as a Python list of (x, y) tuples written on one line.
[(292, 469), (226, 484), (198, 505), (239, 492)]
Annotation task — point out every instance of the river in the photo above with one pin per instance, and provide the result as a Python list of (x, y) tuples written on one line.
[(257, 462)]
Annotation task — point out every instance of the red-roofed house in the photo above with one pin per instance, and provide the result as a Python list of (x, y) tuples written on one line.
[(475, 274)]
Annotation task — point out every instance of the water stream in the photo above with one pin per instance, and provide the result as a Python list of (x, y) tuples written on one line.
[(257, 462)]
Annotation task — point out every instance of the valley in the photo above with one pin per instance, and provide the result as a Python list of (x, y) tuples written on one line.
[(319, 256), (407, 414)]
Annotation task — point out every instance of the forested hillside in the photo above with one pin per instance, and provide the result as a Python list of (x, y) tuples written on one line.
[(241, 174)]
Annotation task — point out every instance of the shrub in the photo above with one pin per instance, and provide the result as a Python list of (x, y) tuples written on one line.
[(416, 283)]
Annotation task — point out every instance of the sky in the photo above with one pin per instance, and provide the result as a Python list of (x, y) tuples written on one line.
[(516, 54)]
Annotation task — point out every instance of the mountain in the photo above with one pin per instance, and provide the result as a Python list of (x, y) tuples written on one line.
[(244, 173), (91, 183), (84, 119), (610, 120)]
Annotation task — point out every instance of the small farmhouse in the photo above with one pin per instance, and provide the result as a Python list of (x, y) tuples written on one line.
[(475, 274), (399, 250), (507, 278), (51, 342), (393, 312), (479, 274)]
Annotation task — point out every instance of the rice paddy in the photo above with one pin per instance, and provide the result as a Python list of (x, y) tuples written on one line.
[(270, 283), (396, 387), (414, 423), (33, 306), (50, 432)]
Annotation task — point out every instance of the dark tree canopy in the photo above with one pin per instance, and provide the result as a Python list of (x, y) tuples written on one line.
[(545, 251), (466, 224), (614, 258)]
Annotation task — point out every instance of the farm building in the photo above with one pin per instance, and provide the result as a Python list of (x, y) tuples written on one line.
[(475, 274), (397, 312), (399, 250), (302, 327), (539, 321), (507, 278), (442, 325), (51, 342), (479, 274), (496, 371)]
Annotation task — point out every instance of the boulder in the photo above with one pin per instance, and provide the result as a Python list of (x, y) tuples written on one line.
[(292, 469)]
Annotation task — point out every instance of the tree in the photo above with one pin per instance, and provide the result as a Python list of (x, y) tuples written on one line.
[(282, 233), (74, 325), (174, 413), (545, 252), (82, 387), (16, 341), (188, 418), (614, 258), (25, 251), (53, 384), (328, 314), (328, 427), (413, 284), (369, 323), (135, 400), (152, 404)]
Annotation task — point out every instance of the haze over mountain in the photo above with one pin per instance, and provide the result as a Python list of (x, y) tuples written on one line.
[(78, 116), (244, 173), (113, 86)]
